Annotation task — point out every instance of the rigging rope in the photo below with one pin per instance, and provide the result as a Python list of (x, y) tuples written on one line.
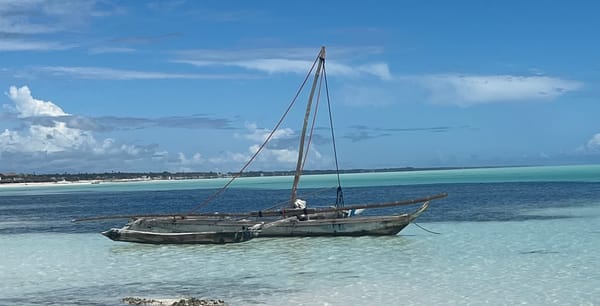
[(218, 192), (339, 201), (415, 223)]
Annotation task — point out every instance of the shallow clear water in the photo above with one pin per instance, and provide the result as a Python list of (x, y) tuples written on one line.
[(530, 242)]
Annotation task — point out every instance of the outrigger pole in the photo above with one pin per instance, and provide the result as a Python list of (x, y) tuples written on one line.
[(289, 212)]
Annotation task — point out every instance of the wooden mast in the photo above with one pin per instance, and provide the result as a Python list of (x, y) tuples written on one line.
[(303, 134)]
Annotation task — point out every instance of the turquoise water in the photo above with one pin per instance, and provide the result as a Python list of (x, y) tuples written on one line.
[(507, 236), (582, 173)]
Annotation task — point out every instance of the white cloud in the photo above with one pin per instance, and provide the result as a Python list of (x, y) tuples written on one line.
[(275, 65), (228, 157), (103, 50), (594, 143), (40, 16), (195, 160), (27, 106), (15, 18), (28, 45), (260, 135), (40, 146), (185, 164), (287, 157), (280, 65), (23, 21), (293, 60), (100, 73), (269, 157), (46, 142), (466, 90), (56, 137), (39, 138), (281, 153), (380, 70)]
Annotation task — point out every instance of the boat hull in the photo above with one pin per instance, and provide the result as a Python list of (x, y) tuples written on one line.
[(128, 235), (291, 227)]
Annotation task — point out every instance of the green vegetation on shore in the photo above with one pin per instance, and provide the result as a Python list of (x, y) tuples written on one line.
[(122, 176)]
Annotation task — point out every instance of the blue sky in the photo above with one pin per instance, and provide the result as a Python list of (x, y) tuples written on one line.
[(94, 86)]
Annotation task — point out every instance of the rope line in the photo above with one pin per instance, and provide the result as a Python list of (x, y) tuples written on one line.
[(340, 195), (415, 223)]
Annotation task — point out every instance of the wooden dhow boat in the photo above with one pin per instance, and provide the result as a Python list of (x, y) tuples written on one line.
[(294, 219)]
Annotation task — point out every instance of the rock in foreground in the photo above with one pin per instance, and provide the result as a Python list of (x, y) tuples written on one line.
[(173, 302)]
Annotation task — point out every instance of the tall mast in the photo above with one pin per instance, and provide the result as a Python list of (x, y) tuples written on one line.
[(303, 134)]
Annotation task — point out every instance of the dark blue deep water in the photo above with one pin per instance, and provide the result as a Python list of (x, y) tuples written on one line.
[(465, 202)]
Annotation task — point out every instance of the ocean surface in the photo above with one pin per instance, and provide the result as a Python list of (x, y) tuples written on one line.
[(528, 235)]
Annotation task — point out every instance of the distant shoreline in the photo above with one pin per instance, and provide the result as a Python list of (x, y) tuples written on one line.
[(71, 183), (44, 180), (579, 173)]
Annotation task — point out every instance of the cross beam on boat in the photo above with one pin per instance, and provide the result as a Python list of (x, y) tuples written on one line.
[(289, 212)]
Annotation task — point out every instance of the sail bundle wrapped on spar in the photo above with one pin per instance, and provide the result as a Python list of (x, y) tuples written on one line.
[(299, 204)]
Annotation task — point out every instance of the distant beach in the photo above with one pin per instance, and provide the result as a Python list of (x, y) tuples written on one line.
[(71, 183)]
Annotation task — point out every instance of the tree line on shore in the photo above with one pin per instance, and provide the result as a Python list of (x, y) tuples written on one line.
[(165, 175)]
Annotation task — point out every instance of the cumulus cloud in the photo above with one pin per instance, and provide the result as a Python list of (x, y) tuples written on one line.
[(51, 137), (281, 156), (190, 164), (593, 144), (27, 106), (281, 152), (48, 140), (45, 113), (466, 90), (45, 139), (260, 135), (278, 150)]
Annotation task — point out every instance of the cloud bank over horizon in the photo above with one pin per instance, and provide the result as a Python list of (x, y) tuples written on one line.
[(48, 139), (59, 140), (54, 144)]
